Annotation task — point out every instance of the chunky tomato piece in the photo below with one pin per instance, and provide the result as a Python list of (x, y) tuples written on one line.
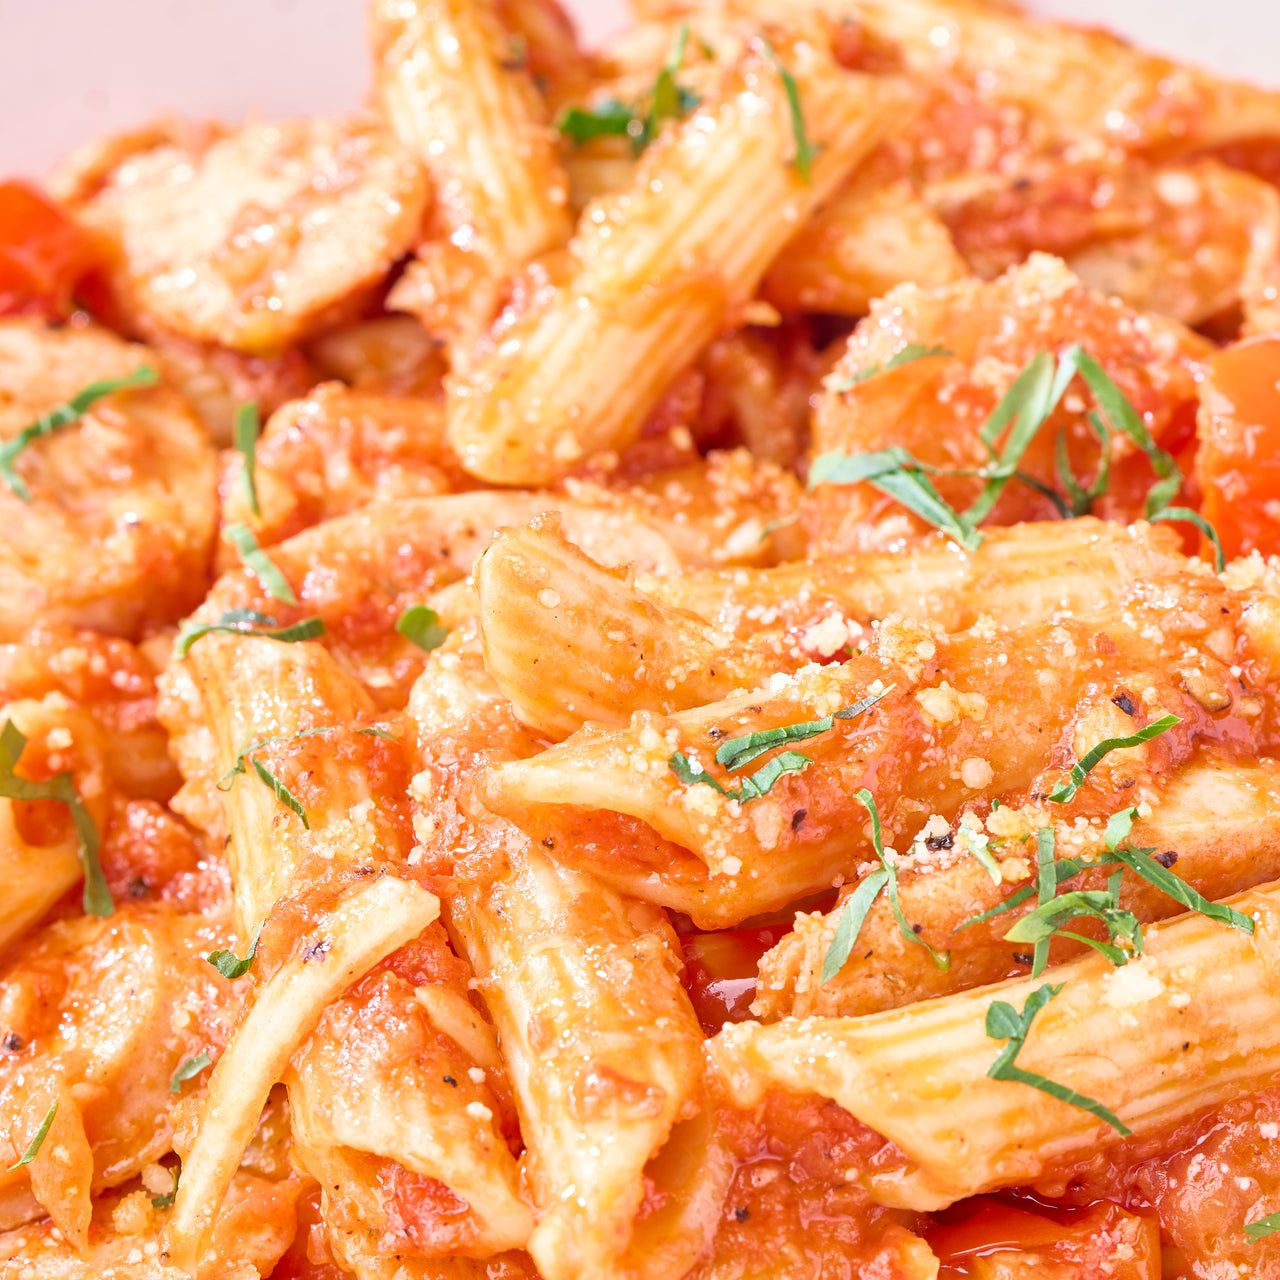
[(43, 253), (1239, 460), (997, 1240), (720, 971)]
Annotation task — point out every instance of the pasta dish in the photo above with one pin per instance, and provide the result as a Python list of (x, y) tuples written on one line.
[(650, 664)]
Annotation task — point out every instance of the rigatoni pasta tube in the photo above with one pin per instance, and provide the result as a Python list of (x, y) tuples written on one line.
[(1217, 821), (366, 927), (1191, 1025), (600, 1041), (655, 271), (653, 808)]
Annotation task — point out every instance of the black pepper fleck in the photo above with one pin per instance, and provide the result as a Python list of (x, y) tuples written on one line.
[(742, 1214), (451, 1080), (1167, 858), (797, 819), (1023, 957), (1125, 703), (940, 842), (316, 951), (12, 1042)]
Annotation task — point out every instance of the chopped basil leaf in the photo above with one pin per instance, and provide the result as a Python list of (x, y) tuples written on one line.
[(1175, 887), (978, 844), (942, 959), (1263, 1227), (758, 784), (806, 153), (241, 764), (607, 119), (1029, 403), (189, 1069), (261, 565), (423, 626), (282, 793), (33, 1147), (912, 351), (735, 753), (63, 416), (1066, 791), (229, 964), (378, 733), (246, 441), (164, 1201), (246, 622), (1099, 904), (851, 921), (1046, 888), (894, 471), (96, 898), (1004, 1022)]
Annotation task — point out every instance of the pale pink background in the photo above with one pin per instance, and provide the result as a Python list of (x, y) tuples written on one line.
[(73, 69)]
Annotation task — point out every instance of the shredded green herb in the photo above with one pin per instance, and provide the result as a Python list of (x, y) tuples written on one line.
[(245, 759), (856, 907), (229, 964), (1066, 791), (737, 753), (96, 898), (422, 625), (63, 416), (1028, 405), (911, 352), (33, 1147), (640, 121), (806, 152), (378, 733), (261, 565), (246, 622), (1173, 886), (1004, 1022), (978, 844), (247, 429), (1263, 1227), (191, 1068)]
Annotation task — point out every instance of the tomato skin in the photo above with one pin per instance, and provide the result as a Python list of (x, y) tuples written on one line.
[(43, 253), (1238, 464)]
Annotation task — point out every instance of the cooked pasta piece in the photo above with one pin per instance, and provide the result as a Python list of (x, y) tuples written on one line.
[(868, 239), (108, 517), (960, 717), (253, 1233), (250, 240), (1214, 820), (455, 98), (569, 641), (360, 930), (708, 208), (599, 1038), (1188, 1026), (98, 1016), (1029, 572), (935, 406), (314, 808)]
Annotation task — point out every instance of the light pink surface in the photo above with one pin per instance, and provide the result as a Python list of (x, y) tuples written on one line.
[(71, 70)]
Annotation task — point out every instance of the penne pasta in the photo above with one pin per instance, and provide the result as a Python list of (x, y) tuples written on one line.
[(361, 930), (607, 1107), (721, 192), (952, 718), (1185, 1028), (1212, 819), (451, 91)]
